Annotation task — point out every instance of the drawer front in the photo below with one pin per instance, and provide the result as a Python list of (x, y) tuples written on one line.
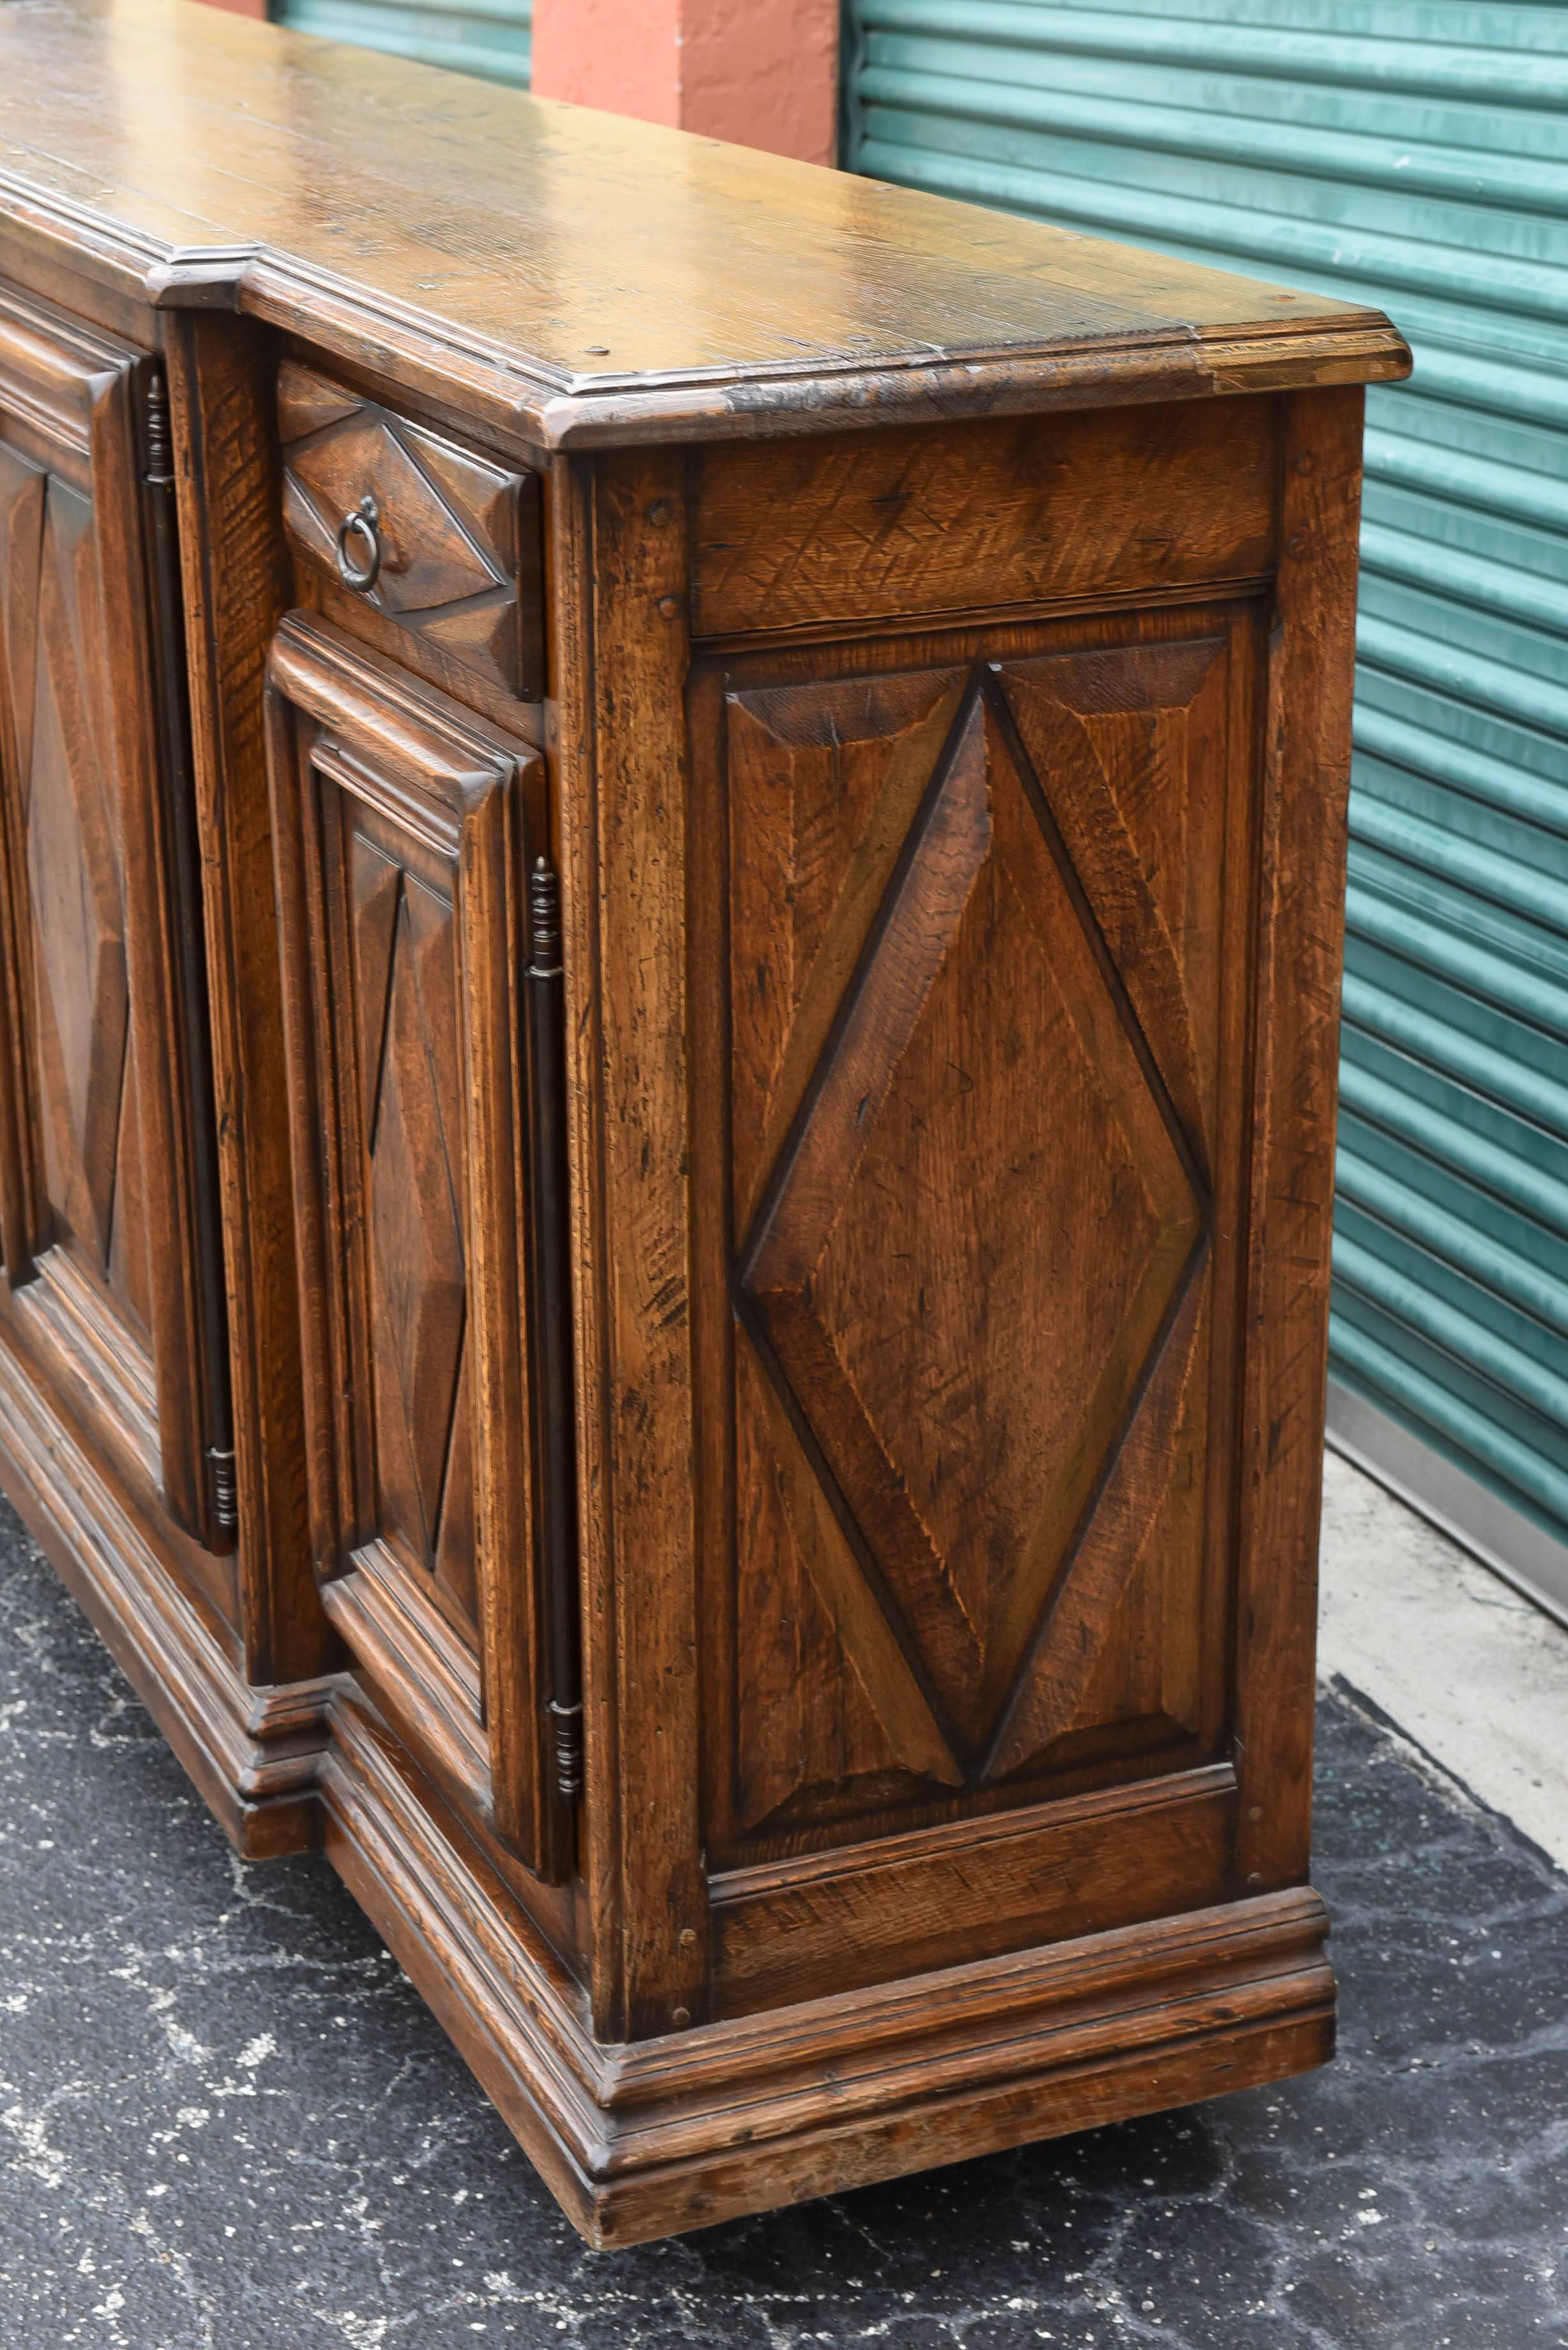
[(442, 543)]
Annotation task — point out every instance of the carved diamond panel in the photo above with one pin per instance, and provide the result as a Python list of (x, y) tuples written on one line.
[(970, 1278), (450, 524), (80, 980), (105, 1137), (23, 493), (408, 1019)]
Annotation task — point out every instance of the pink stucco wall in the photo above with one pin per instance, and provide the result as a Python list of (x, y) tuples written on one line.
[(764, 73), (621, 55)]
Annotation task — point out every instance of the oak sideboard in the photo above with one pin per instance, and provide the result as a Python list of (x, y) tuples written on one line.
[(671, 833)]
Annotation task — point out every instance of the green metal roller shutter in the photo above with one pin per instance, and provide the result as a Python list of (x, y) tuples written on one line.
[(1413, 153), (489, 37)]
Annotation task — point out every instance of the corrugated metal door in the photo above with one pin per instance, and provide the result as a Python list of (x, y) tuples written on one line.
[(489, 37), (1413, 153)]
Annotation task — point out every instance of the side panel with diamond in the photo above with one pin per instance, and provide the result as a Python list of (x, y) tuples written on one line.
[(110, 1250), (401, 826), (985, 993)]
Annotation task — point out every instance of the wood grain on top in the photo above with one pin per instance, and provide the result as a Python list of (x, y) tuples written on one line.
[(587, 276)]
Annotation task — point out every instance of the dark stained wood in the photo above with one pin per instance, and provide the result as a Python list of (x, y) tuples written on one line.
[(937, 1582), (457, 534), (49, 269), (109, 1230), (643, 1858), (402, 831), (549, 1282), (1033, 510), (254, 1754), (64, 826), (863, 1301), (316, 592), (574, 851), (595, 279), (686, 2130), (829, 1921), (1302, 842), (235, 591), (201, 1367)]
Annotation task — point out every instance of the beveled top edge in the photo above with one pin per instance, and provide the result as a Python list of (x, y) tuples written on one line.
[(433, 228)]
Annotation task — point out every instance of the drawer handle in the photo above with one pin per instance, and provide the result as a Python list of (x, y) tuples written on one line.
[(363, 520)]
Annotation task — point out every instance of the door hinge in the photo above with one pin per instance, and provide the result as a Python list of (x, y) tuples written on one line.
[(568, 1728), (225, 1496), (214, 1437), (158, 435), (553, 1340)]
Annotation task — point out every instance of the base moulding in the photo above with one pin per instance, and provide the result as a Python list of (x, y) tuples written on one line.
[(253, 1753), (656, 2136), (653, 2137)]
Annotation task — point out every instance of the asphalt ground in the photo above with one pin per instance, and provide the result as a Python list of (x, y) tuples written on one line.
[(228, 2123)]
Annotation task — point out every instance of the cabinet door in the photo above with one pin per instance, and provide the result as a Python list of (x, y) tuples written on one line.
[(110, 1237), (401, 826)]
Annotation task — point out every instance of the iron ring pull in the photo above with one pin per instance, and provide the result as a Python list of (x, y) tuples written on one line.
[(363, 520)]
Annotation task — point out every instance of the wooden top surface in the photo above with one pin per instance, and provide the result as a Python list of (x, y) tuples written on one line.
[(590, 278)]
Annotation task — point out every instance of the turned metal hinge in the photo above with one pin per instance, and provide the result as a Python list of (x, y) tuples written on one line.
[(543, 921), (554, 1344), (158, 435), (225, 1496), (568, 1727)]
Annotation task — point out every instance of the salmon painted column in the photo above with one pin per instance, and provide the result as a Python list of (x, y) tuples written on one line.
[(764, 73)]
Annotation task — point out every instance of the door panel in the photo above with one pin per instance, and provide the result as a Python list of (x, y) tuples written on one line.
[(401, 825), (109, 1228), (984, 996)]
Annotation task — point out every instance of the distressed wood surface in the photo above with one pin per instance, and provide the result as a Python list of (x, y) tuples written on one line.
[(699, 2126), (1302, 844), (235, 591), (983, 983), (104, 1220), (1040, 510), (800, 1928), (400, 828), (457, 534), (647, 1886), (948, 804), (253, 1754), (595, 278)]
